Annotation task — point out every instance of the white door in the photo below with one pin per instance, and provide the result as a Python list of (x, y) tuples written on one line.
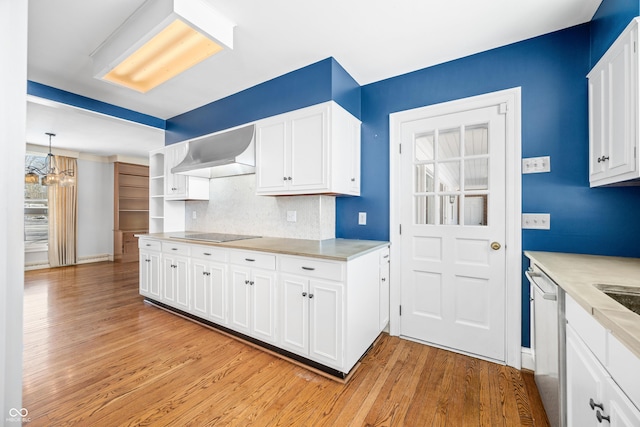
[(452, 214)]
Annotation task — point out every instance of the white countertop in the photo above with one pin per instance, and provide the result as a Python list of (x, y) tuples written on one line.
[(577, 274), (333, 249)]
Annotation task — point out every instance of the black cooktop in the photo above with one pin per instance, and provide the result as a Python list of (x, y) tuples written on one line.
[(213, 237)]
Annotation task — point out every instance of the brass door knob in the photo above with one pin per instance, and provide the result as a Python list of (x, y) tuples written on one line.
[(495, 246)]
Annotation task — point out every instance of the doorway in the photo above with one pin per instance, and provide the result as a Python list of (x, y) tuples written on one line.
[(455, 226)]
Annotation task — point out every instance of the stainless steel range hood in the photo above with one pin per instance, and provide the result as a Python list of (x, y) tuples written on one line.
[(220, 154)]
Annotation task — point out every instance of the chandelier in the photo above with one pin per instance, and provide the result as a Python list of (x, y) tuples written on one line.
[(49, 174)]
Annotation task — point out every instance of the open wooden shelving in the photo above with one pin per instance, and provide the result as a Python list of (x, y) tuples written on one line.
[(131, 209)]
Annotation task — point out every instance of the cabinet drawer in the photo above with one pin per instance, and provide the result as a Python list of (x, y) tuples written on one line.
[(129, 238), (150, 245), (209, 253), (175, 248), (254, 259), (313, 267), (588, 328)]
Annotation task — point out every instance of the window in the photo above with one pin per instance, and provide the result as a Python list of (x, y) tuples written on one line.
[(36, 209)]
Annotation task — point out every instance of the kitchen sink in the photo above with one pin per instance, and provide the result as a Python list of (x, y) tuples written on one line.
[(628, 296)]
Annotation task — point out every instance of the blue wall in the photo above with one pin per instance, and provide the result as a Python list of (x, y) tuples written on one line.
[(551, 72), (608, 22), (323, 81)]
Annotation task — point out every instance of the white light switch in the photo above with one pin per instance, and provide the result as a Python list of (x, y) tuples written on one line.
[(536, 164), (536, 221), (362, 218), (291, 216)]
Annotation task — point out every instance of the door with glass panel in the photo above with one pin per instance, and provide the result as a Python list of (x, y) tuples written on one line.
[(453, 228)]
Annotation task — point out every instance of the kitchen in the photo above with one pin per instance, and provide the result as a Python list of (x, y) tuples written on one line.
[(552, 87)]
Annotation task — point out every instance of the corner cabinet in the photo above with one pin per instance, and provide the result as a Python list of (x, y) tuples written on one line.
[(314, 150), (613, 112)]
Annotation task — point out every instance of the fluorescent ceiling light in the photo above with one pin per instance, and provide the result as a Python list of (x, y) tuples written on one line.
[(160, 40)]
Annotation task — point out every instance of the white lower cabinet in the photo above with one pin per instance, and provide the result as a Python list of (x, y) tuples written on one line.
[(312, 318), (593, 396), (329, 312), (150, 272), (252, 295), (209, 284)]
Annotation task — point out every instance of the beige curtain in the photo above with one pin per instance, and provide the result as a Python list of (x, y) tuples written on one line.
[(63, 218)]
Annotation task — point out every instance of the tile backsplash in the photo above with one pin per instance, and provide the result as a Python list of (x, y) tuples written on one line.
[(233, 207)]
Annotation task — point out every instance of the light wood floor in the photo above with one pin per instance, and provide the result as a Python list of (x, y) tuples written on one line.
[(96, 355)]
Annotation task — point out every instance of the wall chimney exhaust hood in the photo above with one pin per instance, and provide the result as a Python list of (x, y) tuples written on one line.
[(220, 154)]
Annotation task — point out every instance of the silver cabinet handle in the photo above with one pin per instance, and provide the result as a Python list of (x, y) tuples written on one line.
[(249, 259), (308, 268), (206, 253)]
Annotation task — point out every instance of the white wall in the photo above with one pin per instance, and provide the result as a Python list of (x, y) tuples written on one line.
[(13, 110), (233, 207), (95, 209)]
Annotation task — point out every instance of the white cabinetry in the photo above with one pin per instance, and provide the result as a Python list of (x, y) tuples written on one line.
[(312, 309), (209, 283), (314, 150), (613, 112), (252, 294), (593, 393), (175, 262), (182, 187), (150, 271), (384, 288)]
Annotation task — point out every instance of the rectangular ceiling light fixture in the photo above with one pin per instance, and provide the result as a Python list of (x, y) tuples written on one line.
[(160, 40)]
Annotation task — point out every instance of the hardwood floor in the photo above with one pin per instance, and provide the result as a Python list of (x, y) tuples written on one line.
[(96, 355)]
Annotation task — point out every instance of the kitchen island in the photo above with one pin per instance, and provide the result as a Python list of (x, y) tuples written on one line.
[(317, 303)]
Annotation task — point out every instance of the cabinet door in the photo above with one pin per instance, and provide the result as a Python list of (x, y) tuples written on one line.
[(240, 300), (585, 381), (271, 146), (620, 410), (309, 151), (182, 283), (200, 288), (175, 184), (155, 275), (170, 277), (218, 293), (294, 314), (384, 290), (326, 322), (263, 305), (613, 117)]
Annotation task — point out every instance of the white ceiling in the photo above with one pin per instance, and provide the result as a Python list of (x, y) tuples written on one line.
[(372, 39)]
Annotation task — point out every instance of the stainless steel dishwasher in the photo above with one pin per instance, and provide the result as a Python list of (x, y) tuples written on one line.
[(549, 328)]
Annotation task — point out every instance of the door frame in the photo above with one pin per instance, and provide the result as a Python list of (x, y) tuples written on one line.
[(513, 242)]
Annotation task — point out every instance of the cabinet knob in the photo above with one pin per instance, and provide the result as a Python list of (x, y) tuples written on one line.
[(601, 417), (353, 180), (384, 279), (289, 178), (251, 283), (147, 260), (603, 158), (304, 294), (246, 282), (310, 295), (595, 405)]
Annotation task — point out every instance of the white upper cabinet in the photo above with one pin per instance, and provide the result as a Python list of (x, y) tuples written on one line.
[(182, 187), (613, 112), (314, 150)]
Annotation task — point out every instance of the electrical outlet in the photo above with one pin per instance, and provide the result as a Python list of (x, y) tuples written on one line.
[(194, 215), (536, 221), (291, 216), (536, 165), (362, 218)]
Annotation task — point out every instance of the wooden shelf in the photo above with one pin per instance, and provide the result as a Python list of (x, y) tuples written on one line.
[(131, 209)]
